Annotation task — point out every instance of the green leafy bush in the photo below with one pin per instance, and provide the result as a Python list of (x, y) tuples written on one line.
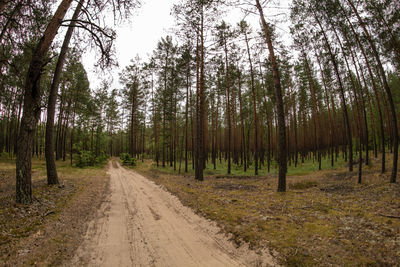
[(85, 158), (102, 158), (126, 159)]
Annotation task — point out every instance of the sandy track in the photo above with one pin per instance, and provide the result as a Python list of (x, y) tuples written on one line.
[(141, 224)]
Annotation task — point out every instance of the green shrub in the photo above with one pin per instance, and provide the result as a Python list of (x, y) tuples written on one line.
[(126, 159), (85, 158), (102, 158)]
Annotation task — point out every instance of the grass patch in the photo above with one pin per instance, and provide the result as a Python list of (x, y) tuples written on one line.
[(221, 168), (325, 218), (303, 185)]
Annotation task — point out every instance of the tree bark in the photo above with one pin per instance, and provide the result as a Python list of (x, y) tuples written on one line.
[(282, 151), (201, 97), (52, 177), (345, 112), (31, 108), (388, 93), (228, 106), (243, 149), (253, 92)]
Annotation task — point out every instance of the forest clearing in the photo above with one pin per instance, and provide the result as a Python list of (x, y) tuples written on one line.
[(199, 132)]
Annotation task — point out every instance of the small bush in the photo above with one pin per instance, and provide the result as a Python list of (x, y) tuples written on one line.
[(102, 158), (85, 158), (127, 160)]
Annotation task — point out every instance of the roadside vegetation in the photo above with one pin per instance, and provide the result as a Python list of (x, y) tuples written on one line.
[(50, 229), (326, 218)]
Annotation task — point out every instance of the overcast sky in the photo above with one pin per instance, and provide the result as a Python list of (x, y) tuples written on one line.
[(139, 37)]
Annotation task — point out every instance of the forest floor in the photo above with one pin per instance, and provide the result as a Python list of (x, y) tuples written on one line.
[(121, 218), (325, 218), (47, 232)]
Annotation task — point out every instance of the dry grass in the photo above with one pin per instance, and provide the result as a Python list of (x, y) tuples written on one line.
[(47, 231), (324, 219)]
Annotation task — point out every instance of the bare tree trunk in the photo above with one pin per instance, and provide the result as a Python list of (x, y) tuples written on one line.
[(253, 92), (52, 177), (317, 126), (186, 118), (242, 126), (345, 112), (282, 151), (201, 98), (228, 113), (388, 93), (31, 110)]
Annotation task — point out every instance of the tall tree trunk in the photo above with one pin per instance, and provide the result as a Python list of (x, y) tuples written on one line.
[(253, 92), (72, 136), (343, 98), (242, 126), (201, 107), (395, 131), (187, 117), (228, 106), (374, 87), (32, 105), (331, 127), (317, 126), (282, 151), (60, 122), (52, 177)]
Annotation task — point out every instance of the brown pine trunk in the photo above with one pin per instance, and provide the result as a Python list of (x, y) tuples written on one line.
[(72, 137), (243, 143), (317, 126), (363, 106), (65, 132), (228, 106), (31, 110), (374, 87), (345, 113), (331, 127), (59, 123), (197, 153), (133, 126), (282, 151), (192, 126), (186, 117), (356, 99), (388, 93), (155, 124), (253, 92), (269, 125), (202, 105), (52, 177)]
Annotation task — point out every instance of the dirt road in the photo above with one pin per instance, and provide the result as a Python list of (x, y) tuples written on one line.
[(141, 224)]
